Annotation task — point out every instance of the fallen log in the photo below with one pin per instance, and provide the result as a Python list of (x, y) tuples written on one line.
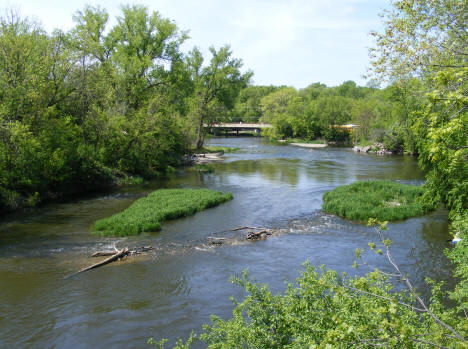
[(116, 256)]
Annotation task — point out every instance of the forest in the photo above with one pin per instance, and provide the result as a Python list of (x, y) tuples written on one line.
[(82, 109)]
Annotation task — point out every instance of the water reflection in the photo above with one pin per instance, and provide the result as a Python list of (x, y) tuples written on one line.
[(173, 290)]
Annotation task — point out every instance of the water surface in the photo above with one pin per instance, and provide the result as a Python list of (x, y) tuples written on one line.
[(174, 289)]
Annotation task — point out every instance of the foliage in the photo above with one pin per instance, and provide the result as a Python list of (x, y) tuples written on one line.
[(324, 309), (427, 39), (147, 214), (215, 86), (459, 255), (247, 107), (384, 200), (80, 109)]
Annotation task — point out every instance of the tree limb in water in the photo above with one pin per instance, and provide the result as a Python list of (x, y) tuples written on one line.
[(114, 257)]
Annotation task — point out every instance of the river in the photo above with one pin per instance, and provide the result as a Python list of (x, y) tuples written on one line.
[(170, 291)]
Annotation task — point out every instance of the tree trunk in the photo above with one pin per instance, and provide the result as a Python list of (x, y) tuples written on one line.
[(200, 132)]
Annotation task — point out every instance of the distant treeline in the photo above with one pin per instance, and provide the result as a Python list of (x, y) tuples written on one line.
[(79, 109), (383, 115)]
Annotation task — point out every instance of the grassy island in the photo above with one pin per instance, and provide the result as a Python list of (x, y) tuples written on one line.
[(147, 214), (384, 200)]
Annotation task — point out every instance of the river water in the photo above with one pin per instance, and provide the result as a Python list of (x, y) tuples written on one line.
[(170, 291)]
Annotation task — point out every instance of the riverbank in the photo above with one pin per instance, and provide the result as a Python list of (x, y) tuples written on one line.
[(309, 145), (376, 148), (297, 142), (109, 179)]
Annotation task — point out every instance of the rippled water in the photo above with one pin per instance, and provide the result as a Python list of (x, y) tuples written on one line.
[(170, 291)]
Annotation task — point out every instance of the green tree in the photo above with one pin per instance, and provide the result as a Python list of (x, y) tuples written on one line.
[(427, 39), (215, 86), (248, 104), (143, 45)]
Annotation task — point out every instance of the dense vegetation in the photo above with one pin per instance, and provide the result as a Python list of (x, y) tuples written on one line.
[(317, 111), (383, 200), (147, 214), (422, 53), (82, 108), (78, 109)]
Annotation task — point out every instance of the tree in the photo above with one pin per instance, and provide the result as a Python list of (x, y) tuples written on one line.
[(247, 106), (427, 39), (143, 46), (215, 86)]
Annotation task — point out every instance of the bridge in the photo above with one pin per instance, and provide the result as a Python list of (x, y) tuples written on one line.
[(237, 126)]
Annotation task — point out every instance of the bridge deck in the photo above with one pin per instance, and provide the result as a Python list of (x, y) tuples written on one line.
[(239, 125)]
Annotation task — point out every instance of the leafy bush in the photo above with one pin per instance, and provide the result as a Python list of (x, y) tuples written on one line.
[(384, 200), (324, 309), (147, 214)]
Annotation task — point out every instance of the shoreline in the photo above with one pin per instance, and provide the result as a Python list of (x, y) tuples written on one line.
[(310, 145), (205, 158)]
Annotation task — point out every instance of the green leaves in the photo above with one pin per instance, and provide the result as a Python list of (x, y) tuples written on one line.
[(427, 40), (323, 310), (215, 86)]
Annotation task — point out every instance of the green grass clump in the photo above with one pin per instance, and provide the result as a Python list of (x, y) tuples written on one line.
[(147, 214), (383, 200), (216, 149)]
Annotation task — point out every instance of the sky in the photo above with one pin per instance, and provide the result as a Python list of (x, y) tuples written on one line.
[(293, 43)]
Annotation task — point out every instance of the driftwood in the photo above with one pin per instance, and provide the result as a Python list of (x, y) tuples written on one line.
[(114, 257), (245, 227), (137, 250), (256, 235)]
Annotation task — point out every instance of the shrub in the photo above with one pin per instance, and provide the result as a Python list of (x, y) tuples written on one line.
[(325, 309), (147, 214), (384, 200)]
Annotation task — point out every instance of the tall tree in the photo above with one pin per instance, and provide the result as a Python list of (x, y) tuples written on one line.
[(428, 39), (216, 86), (144, 48)]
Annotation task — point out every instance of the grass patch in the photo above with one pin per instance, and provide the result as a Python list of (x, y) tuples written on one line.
[(383, 200), (215, 149), (147, 214)]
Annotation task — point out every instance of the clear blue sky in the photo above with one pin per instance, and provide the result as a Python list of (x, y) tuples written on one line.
[(292, 43)]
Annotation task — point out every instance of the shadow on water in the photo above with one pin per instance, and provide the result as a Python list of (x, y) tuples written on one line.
[(174, 289)]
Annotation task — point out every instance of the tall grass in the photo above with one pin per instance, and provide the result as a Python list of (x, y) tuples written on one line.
[(147, 214), (384, 200)]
